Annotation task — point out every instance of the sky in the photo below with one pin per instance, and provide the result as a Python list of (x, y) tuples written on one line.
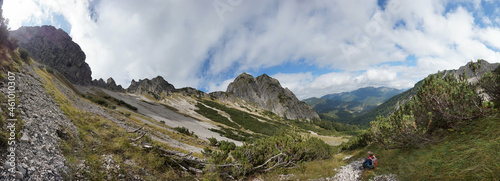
[(313, 47)]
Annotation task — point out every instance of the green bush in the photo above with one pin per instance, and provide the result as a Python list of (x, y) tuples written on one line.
[(213, 141), (122, 103), (357, 142), (245, 119), (226, 146), (490, 81), (24, 54), (279, 151), (441, 103), (214, 116), (4, 30), (235, 134), (184, 130)]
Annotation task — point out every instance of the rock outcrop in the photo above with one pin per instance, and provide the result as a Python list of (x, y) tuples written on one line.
[(37, 152), (485, 68), (192, 92), (267, 93), (55, 48), (110, 84), (156, 86)]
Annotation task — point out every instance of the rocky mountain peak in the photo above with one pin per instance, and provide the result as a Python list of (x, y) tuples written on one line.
[(110, 81), (56, 49), (155, 86), (110, 84), (484, 68), (267, 92)]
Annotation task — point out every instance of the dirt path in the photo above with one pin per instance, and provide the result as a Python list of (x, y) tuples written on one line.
[(350, 172)]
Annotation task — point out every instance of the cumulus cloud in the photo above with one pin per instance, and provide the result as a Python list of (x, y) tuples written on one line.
[(206, 44)]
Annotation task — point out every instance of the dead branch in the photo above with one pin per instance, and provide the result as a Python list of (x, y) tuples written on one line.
[(229, 165), (135, 139), (135, 131), (265, 163)]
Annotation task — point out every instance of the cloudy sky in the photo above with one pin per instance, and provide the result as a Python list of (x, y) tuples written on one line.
[(313, 47)]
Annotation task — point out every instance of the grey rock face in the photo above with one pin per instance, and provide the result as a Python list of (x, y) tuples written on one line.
[(55, 48), (485, 68), (192, 92), (266, 92), (110, 84), (38, 155), (155, 86)]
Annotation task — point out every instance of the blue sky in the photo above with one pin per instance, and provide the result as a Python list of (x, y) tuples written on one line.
[(314, 47)]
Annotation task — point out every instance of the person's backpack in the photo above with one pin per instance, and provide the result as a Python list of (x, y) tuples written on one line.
[(375, 161)]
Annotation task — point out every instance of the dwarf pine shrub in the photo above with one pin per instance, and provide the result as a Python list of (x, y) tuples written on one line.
[(441, 103)]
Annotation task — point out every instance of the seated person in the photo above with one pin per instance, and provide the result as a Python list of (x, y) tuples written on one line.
[(371, 162)]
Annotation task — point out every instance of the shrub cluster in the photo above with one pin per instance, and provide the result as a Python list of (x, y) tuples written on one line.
[(245, 119), (123, 103), (235, 134), (443, 102), (279, 151), (489, 82), (214, 115), (99, 101), (24, 54), (357, 142), (184, 130)]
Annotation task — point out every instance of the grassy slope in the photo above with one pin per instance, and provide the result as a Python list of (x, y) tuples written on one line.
[(96, 138), (10, 60), (466, 154), (310, 170), (383, 109)]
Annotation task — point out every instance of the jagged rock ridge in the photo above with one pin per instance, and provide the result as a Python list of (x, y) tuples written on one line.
[(55, 48), (156, 86), (110, 84), (485, 67), (267, 93)]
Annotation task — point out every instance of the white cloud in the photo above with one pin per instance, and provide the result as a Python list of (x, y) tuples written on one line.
[(491, 36), (192, 43), (22, 11)]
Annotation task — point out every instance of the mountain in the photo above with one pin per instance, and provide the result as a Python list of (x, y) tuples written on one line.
[(72, 129), (393, 103), (343, 107), (56, 49), (368, 95), (156, 86), (267, 93), (110, 84)]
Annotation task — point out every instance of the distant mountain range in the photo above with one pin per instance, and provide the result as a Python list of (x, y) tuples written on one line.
[(343, 107), (329, 110)]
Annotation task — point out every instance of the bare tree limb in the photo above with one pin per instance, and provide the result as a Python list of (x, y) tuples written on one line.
[(265, 163), (135, 139), (135, 131)]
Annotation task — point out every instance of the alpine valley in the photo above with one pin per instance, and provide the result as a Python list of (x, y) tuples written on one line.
[(57, 122)]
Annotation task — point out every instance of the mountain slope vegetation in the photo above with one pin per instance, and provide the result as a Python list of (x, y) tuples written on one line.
[(447, 131), (346, 107), (394, 102), (152, 131)]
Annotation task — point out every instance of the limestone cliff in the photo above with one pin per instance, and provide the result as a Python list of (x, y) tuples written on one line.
[(55, 48), (267, 93), (156, 86)]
